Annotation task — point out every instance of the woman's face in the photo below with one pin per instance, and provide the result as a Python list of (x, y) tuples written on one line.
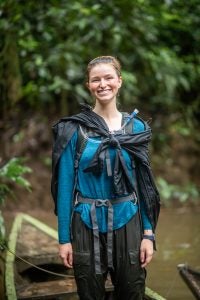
[(104, 82)]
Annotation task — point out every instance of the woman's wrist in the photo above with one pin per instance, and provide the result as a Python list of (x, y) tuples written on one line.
[(149, 235), (63, 242)]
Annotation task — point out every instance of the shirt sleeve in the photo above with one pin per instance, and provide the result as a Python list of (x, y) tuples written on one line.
[(145, 220), (66, 176), (138, 126)]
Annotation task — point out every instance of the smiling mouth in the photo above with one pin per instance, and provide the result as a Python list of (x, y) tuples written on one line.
[(103, 91)]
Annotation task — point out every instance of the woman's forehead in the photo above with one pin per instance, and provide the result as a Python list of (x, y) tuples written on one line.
[(102, 68)]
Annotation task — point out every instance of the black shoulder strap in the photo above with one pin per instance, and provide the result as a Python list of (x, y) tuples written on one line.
[(80, 146), (81, 142)]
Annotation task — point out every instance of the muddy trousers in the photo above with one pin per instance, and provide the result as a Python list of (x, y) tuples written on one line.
[(127, 275)]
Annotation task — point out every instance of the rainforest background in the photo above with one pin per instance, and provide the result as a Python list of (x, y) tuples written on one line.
[(45, 47)]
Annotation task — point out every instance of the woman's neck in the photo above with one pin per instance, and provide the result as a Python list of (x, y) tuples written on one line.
[(108, 111), (110, 114)]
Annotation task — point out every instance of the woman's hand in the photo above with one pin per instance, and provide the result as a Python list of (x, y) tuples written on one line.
[(146, 252), (65, 252)]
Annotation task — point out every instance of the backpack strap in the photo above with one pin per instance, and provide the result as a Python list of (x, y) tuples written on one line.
[(81, 142), (80, 146)]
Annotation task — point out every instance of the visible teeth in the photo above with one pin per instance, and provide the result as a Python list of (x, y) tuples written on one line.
[(103, 91)]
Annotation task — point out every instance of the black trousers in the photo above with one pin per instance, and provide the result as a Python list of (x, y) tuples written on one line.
[(127, 276)]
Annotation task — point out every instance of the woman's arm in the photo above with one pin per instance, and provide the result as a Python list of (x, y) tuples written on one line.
[(146, 248), (66, 175)]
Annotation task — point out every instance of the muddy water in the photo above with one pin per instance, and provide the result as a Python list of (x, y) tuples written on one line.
[(178, 241)]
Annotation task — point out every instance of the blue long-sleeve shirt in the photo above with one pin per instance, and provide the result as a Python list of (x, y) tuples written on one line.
[(91, 186)]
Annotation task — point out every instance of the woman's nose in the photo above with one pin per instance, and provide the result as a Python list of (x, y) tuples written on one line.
[(102, 82)]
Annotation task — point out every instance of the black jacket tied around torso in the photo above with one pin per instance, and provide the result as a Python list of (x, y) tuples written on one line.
[(135, 144)]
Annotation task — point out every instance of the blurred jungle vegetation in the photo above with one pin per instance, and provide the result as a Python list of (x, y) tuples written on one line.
[(45, 48)]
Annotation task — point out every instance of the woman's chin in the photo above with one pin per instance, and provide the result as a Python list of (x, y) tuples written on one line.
[(105, 99)]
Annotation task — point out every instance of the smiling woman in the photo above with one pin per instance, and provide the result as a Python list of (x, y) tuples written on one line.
[(104, 152), (104, 82)]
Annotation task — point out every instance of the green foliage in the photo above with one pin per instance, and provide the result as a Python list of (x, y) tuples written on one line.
[(46, 45), (2, 229), (157, 43), (12, 172), (171, 192)]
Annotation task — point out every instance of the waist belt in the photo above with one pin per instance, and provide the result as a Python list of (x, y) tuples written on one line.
[(108, 203)]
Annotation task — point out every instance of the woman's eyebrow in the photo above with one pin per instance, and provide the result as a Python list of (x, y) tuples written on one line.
[(97, 76)]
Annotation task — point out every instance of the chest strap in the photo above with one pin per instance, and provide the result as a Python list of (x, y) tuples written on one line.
[(108, 203)]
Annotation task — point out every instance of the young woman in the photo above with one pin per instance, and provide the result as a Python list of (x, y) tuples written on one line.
[(106, 200)]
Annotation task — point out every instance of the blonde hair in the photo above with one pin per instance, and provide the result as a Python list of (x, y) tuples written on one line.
[(104, 60)]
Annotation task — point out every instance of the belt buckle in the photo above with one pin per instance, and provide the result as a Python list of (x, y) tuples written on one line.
[(100, 203)]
